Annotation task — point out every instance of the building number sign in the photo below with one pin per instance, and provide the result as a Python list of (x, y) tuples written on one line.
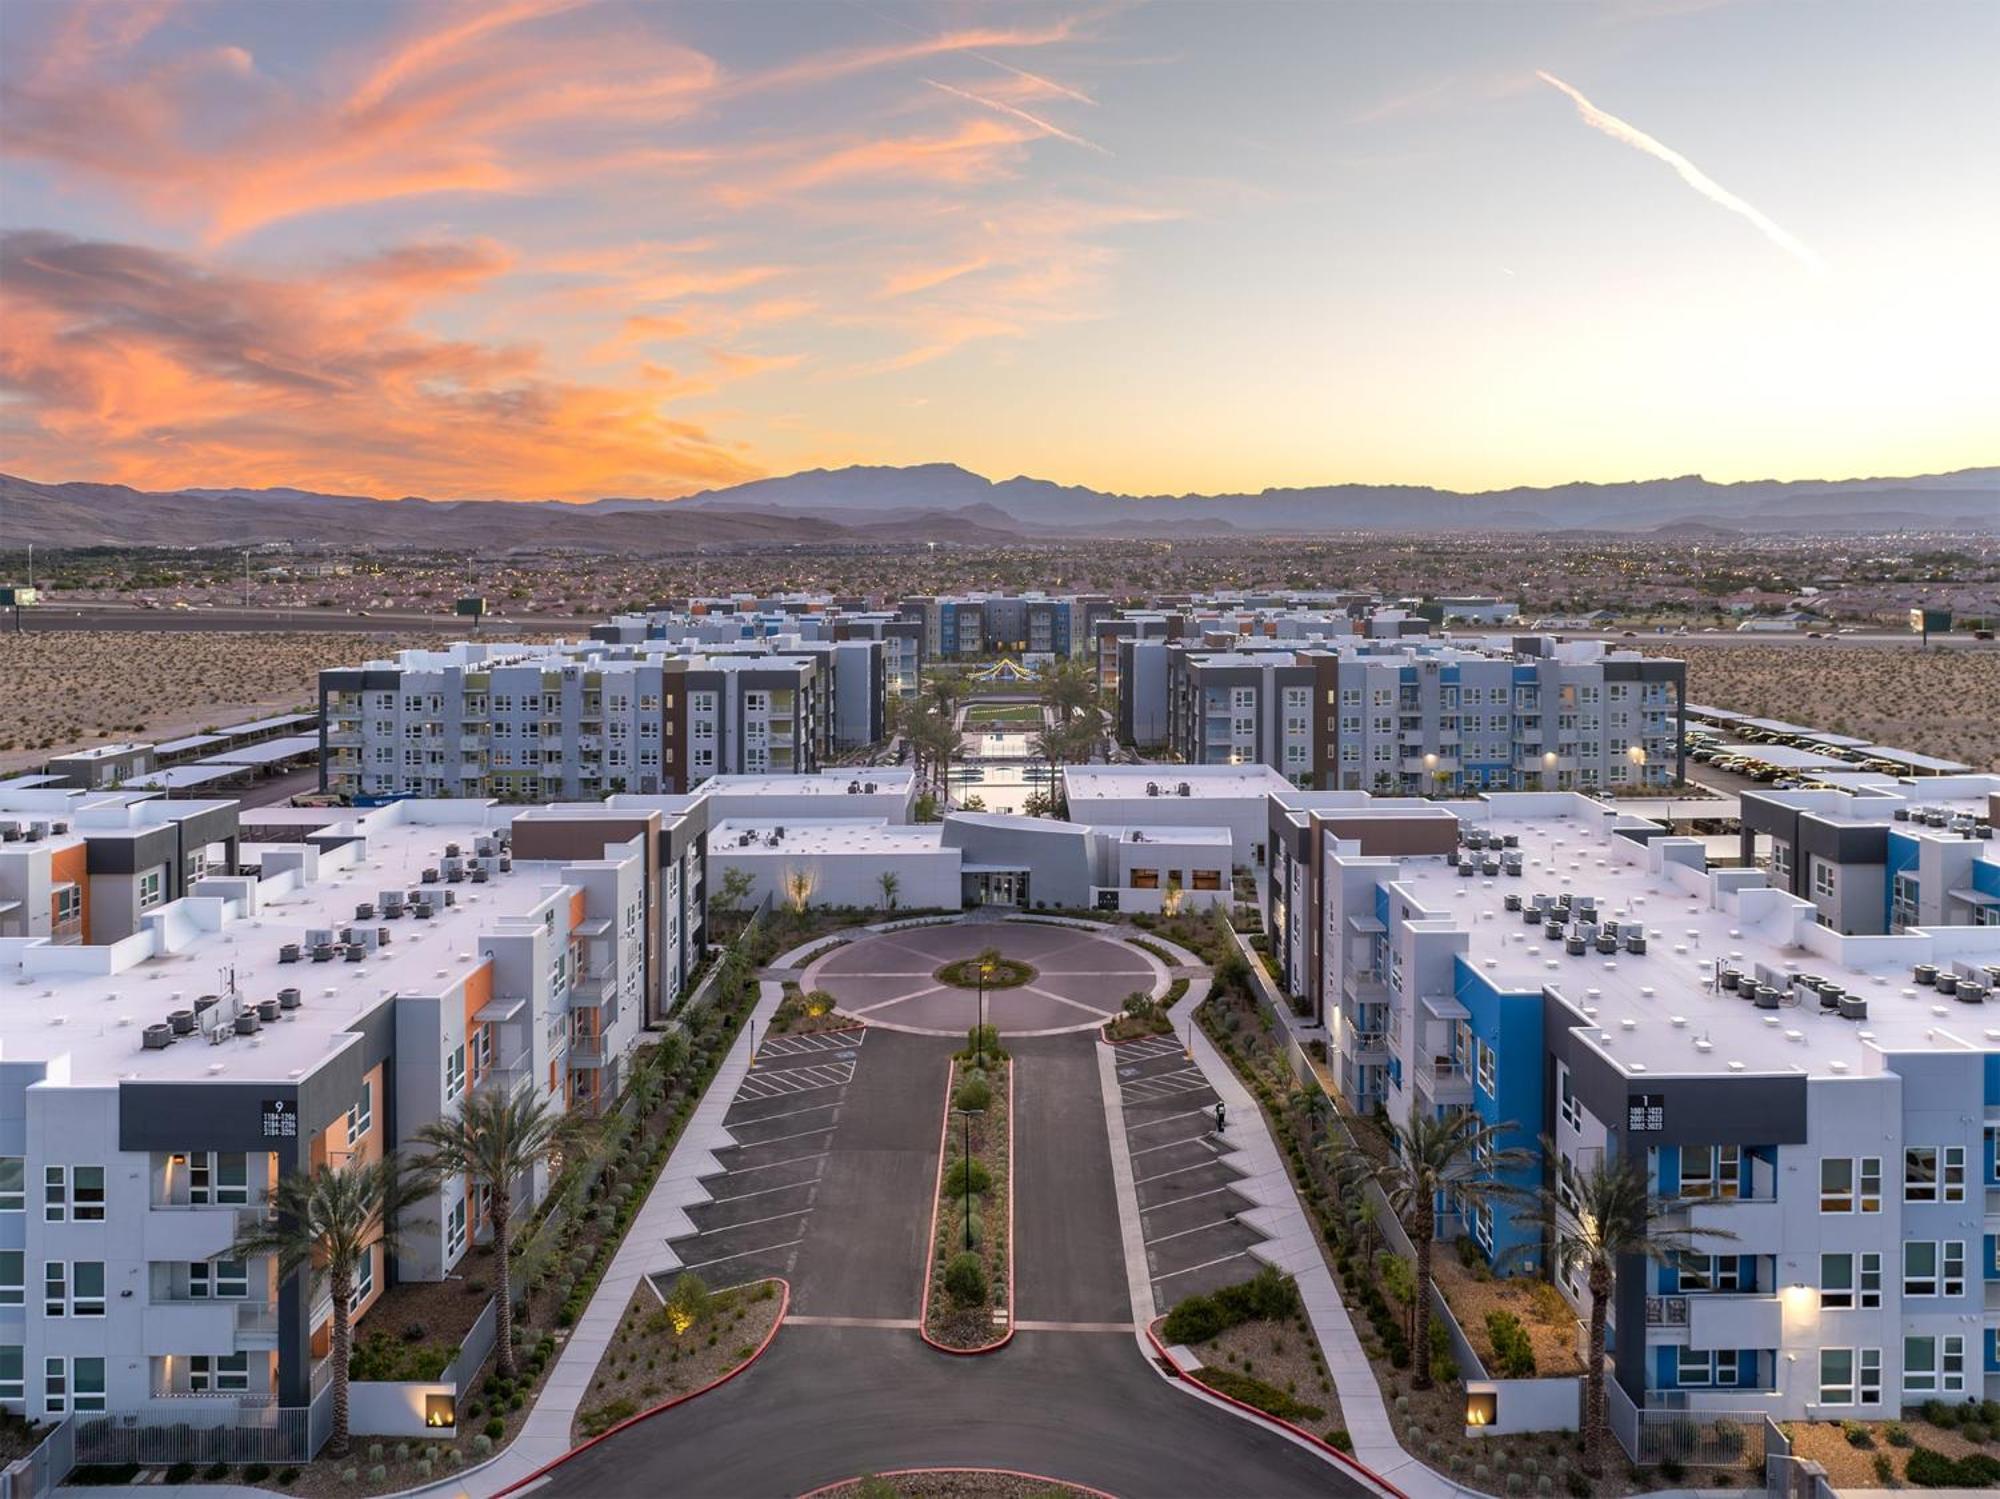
[(1645, 1113), (281, 1119)]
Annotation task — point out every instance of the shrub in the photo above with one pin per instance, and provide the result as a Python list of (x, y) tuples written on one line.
[(1897, 1433), (688, 1302), (1194, 1319), (215, 1472), (955, 1179), (482, 1444), (1512, 1351), (378, 1474), (1338, 1439), (1885, 1470), (965, 1279), (1857, 1435), (973, 1093), (287, 1476), (604, 1417), (496, 1428), (180, 1473), (1267, 1398), (256, 1473)]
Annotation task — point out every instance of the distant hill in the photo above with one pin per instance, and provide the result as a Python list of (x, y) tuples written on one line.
[(942, 502)]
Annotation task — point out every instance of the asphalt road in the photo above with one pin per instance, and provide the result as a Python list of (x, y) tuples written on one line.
[(45, 617), (839, 1394)]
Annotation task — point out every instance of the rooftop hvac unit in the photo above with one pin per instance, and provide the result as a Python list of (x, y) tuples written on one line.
[(157, 1037), (288, 952), (10, 832), (1185, 789), (181, 1022), (59, 826), (430, 877), (1152, 788), (319, 936), (288, 999), (268, 1010), (451, 851), (869, 787), (364, 911)]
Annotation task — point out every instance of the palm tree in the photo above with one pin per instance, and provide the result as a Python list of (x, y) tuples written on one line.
[(1614, 1215), (493, 1141), (890, 883), (327, 1223), (1454, 1157)]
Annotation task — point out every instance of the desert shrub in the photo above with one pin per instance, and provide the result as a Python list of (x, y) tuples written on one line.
[(1194, 1319), (1512, 1351), (955, 1178), (965, 1280), (1857, 1434), (973, 1094)]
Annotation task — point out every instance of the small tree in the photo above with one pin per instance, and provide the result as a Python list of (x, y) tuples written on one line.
[(890, 884), (965, 1279), (735, 890), (327, 1223), (800, 882), (493, 1141), (687, 1303)]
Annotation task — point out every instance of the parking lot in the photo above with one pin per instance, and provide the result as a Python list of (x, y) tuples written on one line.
[(1187, 1204), (785, 1118)]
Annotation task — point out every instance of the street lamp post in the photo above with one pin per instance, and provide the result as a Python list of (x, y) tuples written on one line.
[(979, 1032), (965, 1156)]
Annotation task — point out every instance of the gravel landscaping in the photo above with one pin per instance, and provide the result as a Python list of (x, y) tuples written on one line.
[(670, 1347), (949, 1484), (968, 1285)]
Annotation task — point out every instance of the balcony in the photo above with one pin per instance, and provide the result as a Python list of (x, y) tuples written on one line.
[(1733, 1320), (1666, 1311), (589, 1051), (1444, 1082), (184, 1231), (588, 990), (343, 738), (1363, 987), (1364, 1046), (503, 1081)]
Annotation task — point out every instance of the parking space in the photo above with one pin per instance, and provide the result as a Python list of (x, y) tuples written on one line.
[(1187, 1200), (785, 1118)]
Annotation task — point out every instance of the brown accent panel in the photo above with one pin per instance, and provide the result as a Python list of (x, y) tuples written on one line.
[(1390, 836)]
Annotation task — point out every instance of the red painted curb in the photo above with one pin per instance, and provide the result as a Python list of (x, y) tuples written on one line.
[(930, 1247), (1347, 1459), (784, 1304), (841, 1483)]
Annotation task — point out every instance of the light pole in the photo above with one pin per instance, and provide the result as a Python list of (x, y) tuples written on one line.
[(979, 1030), (965, 1159)]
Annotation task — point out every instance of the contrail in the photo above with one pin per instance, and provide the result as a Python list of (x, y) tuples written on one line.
[(1688, 172), (1048, 83), (1020, 114)]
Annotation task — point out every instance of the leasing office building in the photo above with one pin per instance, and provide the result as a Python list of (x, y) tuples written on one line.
[(1576, 975)]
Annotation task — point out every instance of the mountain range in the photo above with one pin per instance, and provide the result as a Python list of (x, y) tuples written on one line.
[(947, 504)]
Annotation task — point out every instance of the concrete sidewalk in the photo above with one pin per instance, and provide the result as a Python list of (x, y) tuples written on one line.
[(545, 1435)]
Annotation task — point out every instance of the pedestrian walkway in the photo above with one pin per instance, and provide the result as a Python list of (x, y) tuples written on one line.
[(1290, 1245)]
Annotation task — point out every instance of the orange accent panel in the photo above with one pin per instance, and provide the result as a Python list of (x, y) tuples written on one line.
[(576, 904), (478, 991), (71, 866)]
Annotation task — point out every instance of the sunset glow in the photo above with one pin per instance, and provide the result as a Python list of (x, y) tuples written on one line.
[(551, 249)]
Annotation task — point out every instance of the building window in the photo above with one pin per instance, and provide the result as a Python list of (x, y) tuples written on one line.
[(1934, 1268), (86, 1289), (55, 1386), (1710, 1272), (1920, 1174), (1711, 1171), (13, 1184), (87, 1194), (1487, 1082), (1836, 1376), (364, 1280), (55, 1194), (361, 1116), (1934, 1365), (1568, 1105), (454, 1230), (55, 1288), (1952, 1163), (1701, 1367), (152, 889), (454, 1072), (13, 1278), (218, 1373), (1825, 878), (13, 1373), (218, 1177), (1869, 1170), (1870, 1361), (1871, 1278), (224, 1280)]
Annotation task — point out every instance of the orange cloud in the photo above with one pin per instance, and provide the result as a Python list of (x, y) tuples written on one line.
[(170, 373), (849, 60)]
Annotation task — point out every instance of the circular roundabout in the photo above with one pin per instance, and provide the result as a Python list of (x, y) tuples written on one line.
[(1047, 979)]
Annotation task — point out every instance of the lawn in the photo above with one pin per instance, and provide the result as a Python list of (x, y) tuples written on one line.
[(1004, 716)]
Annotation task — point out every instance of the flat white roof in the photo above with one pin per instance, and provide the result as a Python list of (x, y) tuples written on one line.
[(173, 777), (1105, 781), (846, 835), (268, 751), (1662, 1012), (96, 1018)]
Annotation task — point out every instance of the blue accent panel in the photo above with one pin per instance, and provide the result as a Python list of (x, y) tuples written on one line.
[(1992, 1360), (1992, 1156), (1669, 1273), (1901, 855), (1991, 1269), (1992, 1064), (1669, 1171), (1986, 876), (1382, 905), (1510, 1024), (1666, 1369)]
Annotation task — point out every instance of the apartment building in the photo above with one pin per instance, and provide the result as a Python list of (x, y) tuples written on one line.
[(574, 720), (1829, 1101), (1421, 717), (316, 1003), (88, 867), (1884, 857), (1003, 624)]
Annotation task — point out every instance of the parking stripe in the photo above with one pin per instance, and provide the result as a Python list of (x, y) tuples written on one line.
[(780, 1139), (1239, 1255), (811, 1108), (1163, 1175), (1161, 1207), (1164, 1118), (766, 1192), (725, 1228), (769, 1165), (1184, 1232), (1190, 1140), (725, 1258)]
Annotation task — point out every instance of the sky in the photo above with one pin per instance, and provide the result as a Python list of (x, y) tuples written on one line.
[(559, 249)]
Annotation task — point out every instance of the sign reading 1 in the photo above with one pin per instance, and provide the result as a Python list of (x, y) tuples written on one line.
[(1645, 1113)]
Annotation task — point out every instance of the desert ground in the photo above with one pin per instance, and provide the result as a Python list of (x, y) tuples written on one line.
[(73, 689), (1937, 702)]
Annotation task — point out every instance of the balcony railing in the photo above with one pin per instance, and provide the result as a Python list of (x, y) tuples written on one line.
[(1666, 1311)]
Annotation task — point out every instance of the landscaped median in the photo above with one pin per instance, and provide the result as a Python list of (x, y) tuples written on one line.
[(669, 1349), (955, 1483), (968, 1302)]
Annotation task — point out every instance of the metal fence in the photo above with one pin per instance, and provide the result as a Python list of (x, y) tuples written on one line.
[(1701, 1438), (473, 1351), (275, 1434), (38, 1474)]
